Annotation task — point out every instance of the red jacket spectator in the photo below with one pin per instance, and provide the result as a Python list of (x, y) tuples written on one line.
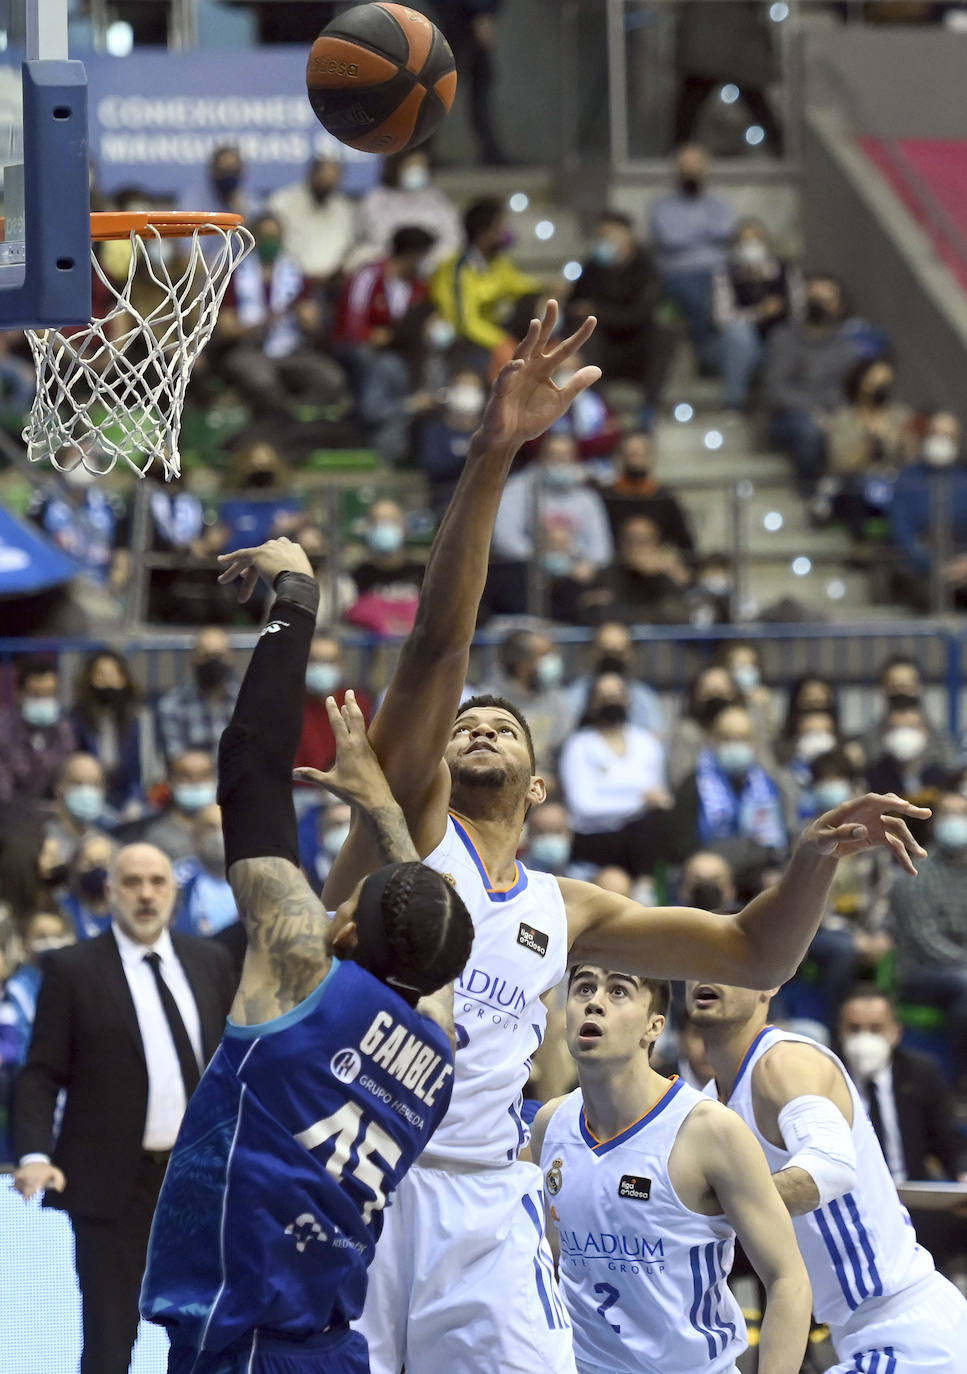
[(377, 296)]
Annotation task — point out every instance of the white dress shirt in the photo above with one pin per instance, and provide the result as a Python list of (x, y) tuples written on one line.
[(603, 790), (893, 1142), (166, 1090)]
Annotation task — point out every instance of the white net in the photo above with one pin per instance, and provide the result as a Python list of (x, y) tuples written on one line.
[(115, 389)]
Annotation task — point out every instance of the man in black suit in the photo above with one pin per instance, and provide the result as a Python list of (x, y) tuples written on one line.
[(125, 1023), (906, 1095)]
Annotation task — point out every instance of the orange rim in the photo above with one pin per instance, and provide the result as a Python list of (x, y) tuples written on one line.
[(169, 224)]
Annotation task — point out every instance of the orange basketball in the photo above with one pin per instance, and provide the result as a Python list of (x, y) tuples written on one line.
[(381, 77)]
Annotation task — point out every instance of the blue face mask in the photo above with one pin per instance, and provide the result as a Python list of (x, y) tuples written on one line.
[(40, 711), (735, 756), (192, 796), (557, 563), (563, 476), (604, 252), (549, 670), (832, 792), (950, 832), (385, 536), (84, 801), (323, 678), (550, 851)]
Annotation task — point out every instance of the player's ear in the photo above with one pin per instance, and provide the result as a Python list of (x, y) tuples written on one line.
[(537, 791), (656, 1024), (344, 941)]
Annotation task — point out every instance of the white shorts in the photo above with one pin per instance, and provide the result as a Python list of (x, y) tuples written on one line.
[(925, 1335), (463, 1280)]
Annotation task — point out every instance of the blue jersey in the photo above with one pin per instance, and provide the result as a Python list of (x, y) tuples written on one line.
[(298, 1134)]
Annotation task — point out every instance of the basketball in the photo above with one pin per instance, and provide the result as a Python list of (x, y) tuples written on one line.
[(381, 78)]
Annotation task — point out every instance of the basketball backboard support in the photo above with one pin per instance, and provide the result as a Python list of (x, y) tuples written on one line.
[(45, 247)]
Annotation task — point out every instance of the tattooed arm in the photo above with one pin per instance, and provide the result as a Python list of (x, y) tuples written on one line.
[(287, 926)]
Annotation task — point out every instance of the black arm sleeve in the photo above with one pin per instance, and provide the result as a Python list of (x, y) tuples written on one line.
[(257, 750)]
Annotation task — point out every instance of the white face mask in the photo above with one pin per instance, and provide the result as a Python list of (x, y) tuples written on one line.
[(751, 252), (866, 1053), (414, 177), (746, 676), (904, 742), (549, 670), (832, 792), (465, 399), (950, 832), (813, 743), (735, 756), (940, 450), (440, 333)]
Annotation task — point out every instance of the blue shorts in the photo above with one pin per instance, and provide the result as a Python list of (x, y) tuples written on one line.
[(331, 1352)]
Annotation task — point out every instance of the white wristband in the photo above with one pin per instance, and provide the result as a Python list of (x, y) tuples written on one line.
[(33, 1159)]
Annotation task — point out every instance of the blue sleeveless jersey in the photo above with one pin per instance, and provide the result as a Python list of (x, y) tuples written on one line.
[(298, 1134)]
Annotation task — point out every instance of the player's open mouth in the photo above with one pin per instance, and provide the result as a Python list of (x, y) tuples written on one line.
[(704, 996), (590, 1030), (480, 746)]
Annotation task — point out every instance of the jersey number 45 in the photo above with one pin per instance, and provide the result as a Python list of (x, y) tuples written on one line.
[(354, 1136)]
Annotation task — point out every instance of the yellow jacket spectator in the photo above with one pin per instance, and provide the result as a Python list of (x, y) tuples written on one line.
[(476, 289)]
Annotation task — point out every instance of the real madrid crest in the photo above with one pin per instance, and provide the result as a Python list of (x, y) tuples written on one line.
[(553, 1177)]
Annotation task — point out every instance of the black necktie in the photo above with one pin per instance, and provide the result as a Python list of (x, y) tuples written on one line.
[(876, 1116), (186, 1055)]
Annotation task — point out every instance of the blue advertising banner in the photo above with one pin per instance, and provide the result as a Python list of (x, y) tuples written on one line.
[(156, 116), (28, 563)]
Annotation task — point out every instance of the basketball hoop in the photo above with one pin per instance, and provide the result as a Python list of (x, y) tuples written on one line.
[(115, 389)]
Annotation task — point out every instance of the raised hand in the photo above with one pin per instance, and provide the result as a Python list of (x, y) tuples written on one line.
[(524, 400), (864, 823), (267, 561), (355, 776)]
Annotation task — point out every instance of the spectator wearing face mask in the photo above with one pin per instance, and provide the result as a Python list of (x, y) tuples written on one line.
[(708, 883), (621, 288), (445, 442), (85, 519), (80, 805), (590, 421), (43, 931), (267, 336), (931, 493), (929, 924), (637, 491), (744, 662), (194, 715), (85, 900), (612, 651), (814, 734), (903, 765), (317, 220), (226, 175), (710, 690), (730, 796), (206, 903), (36, 737), (804, 376), (260, 485), (531, 673), (549, 494), (810, 692), (614, 784), (111, 723), (407, 196), (550, 839), (477, 289), (323, 830), (374, 305), (192, 784), (753, 292), (389, 577), (871, 439), (901, 688), (690, 230), (710, 596), (326, 676)]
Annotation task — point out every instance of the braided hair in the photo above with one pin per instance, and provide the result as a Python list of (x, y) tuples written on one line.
[(413, 930)]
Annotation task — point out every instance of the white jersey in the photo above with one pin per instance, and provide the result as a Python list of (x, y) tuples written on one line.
[(860, 1249), (643, 1277), (519, 952)]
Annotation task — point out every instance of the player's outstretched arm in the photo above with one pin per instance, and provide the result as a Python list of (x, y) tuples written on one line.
[(763, 944), (412, 727), (287, 926), (738, 1174)]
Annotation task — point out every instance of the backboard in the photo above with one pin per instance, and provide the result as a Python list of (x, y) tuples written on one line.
[(45, 272)]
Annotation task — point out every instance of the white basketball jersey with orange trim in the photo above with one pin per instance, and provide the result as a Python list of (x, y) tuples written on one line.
[(519, 953), (643, 1277), (860, 1248)]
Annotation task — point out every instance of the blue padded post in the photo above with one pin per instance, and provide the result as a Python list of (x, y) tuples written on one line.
[(56, 285)]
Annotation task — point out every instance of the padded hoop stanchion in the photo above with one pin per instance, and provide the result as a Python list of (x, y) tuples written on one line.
[(115, 388)]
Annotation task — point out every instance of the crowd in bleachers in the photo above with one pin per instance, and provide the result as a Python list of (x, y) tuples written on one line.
[(363, 332)]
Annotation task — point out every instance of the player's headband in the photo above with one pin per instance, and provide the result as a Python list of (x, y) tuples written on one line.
[(372, 942)]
